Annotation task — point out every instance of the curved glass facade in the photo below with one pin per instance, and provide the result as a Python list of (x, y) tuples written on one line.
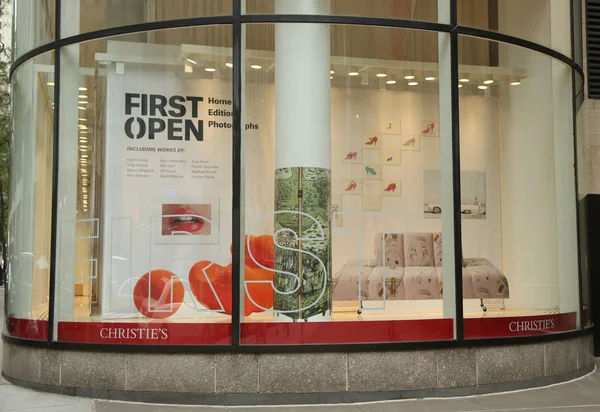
[(283, 173)]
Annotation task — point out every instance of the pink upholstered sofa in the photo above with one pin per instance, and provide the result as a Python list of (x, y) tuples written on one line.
[(408, 266)]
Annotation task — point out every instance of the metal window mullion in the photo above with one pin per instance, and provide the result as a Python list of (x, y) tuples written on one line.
[(55, 174)]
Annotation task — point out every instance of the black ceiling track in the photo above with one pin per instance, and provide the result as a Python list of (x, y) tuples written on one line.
[(593, 47)]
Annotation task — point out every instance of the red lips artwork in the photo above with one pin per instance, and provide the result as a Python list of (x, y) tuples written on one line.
[(220, 277)]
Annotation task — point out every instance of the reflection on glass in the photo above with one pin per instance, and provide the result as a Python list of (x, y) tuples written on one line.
[(349, 146), (29, 215), (103, 14), (144, 233), (518, 191)]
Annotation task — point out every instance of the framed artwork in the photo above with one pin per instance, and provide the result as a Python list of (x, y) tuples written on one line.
[(351, 186), (371, 203), (336, 207), (390, 125), (430, 128), (390, 156), (371, 187), (411, 143), (472, 199), (351, 156), (391, 188), (371, 171), (371, 156), (371, 141)]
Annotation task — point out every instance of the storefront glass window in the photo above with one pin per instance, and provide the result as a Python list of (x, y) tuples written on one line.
[(539, 21), (30, 194), (90, 15), (144, 221), (33, 25), (343, 242), (518, 194), (423, 10)]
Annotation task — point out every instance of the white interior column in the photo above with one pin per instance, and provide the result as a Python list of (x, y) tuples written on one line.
[(302, 88), (564, 163), (302, 108), (445, 103), (68, 168)]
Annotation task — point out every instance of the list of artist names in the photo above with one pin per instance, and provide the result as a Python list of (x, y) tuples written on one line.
[(161, 168)]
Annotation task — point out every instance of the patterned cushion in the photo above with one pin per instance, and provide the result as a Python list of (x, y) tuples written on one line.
[(394, 286), (437, 250), (418, 249), (389, 250), (421, 283), (468, 292)]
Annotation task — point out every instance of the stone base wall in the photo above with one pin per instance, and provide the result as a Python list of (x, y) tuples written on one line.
[(245, 379)]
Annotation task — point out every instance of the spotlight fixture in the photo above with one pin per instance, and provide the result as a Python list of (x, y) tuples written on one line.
[(331, 71), (330, 77), (353, 74), (256, 67), (230, 65), (390, 82), (515, 83), (81, 108), (381, 75), (430, 78), (83, 102), (460, 86), (488, 82), (464, 80), (192, 61), (409, 77), (482, 87), (50, 84), (210, 69), (83, 89), (413, 83)]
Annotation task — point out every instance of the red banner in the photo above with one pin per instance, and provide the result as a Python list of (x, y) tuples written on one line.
[(155, 333), (497, 327), (298, 333), (28, 328)]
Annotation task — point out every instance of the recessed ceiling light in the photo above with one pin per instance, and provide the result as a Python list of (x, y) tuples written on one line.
[(464, 80), (413, 83), (230, 65), (409, 77), (192, 61), (391, 82), (210, 69), (82, 119), (482, 87), (83, 102), (332, 72), (381, 75), (353, 74), (460, 86), (81, 108), (430, 79), (256, 67), (82, 96), (330, 77), (50, 83), (83, 89), (488, 82), (515, 83)]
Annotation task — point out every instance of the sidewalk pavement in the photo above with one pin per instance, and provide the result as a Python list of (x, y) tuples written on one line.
[(581, 395)]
